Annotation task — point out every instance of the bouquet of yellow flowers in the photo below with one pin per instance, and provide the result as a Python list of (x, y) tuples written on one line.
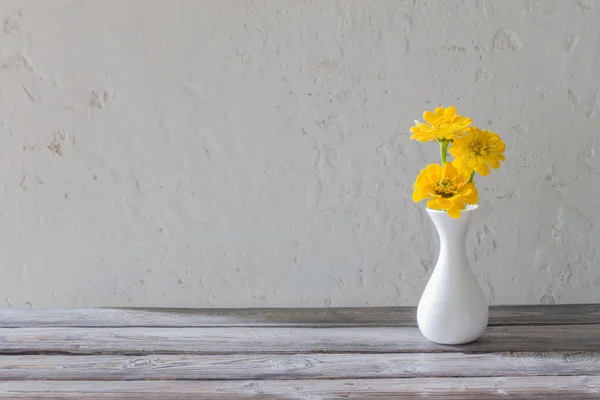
[(450, 186)]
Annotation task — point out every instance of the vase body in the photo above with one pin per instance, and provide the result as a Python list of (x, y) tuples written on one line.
[(453, 308)]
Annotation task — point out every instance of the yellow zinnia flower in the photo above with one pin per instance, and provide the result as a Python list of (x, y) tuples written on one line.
[(446, 187), (478, 150), (442, 124)]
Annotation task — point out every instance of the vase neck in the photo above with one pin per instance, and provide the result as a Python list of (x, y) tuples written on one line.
[(453, 244), (453, 234)]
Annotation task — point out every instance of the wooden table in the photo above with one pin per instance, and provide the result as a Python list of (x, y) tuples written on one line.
[(364, 353)]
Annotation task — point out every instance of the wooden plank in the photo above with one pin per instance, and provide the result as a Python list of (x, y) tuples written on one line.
[(287, 340), (539, 387), (300, 317), (296, 317), (295, 366)]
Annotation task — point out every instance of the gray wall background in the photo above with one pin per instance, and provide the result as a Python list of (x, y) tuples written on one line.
[(257, 153)]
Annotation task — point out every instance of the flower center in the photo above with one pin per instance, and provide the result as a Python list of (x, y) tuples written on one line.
[(446, 188), (478, 147)]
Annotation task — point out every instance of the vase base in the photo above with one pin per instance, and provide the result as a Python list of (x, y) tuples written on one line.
[(452, 342), (460, 329)]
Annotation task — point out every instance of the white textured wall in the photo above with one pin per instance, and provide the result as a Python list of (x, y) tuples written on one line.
[(256, 153)]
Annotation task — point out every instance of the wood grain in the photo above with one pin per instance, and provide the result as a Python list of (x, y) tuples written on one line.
[(297, 317), (540, 387), (295, 366), (287, 340)]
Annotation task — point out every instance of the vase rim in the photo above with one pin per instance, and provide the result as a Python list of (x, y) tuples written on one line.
[(470, 207)]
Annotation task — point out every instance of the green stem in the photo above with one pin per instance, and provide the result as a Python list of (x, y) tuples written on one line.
[(472, 175), (444, 150)]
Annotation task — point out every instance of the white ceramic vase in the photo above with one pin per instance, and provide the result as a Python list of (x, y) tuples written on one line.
[(453, 308)]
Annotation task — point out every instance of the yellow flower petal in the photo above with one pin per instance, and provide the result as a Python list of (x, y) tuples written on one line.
[(482, 169), (494, 162), (454, 212), (439, 204), (417, 196), (428, 116), (434, 169), (450, 112)]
